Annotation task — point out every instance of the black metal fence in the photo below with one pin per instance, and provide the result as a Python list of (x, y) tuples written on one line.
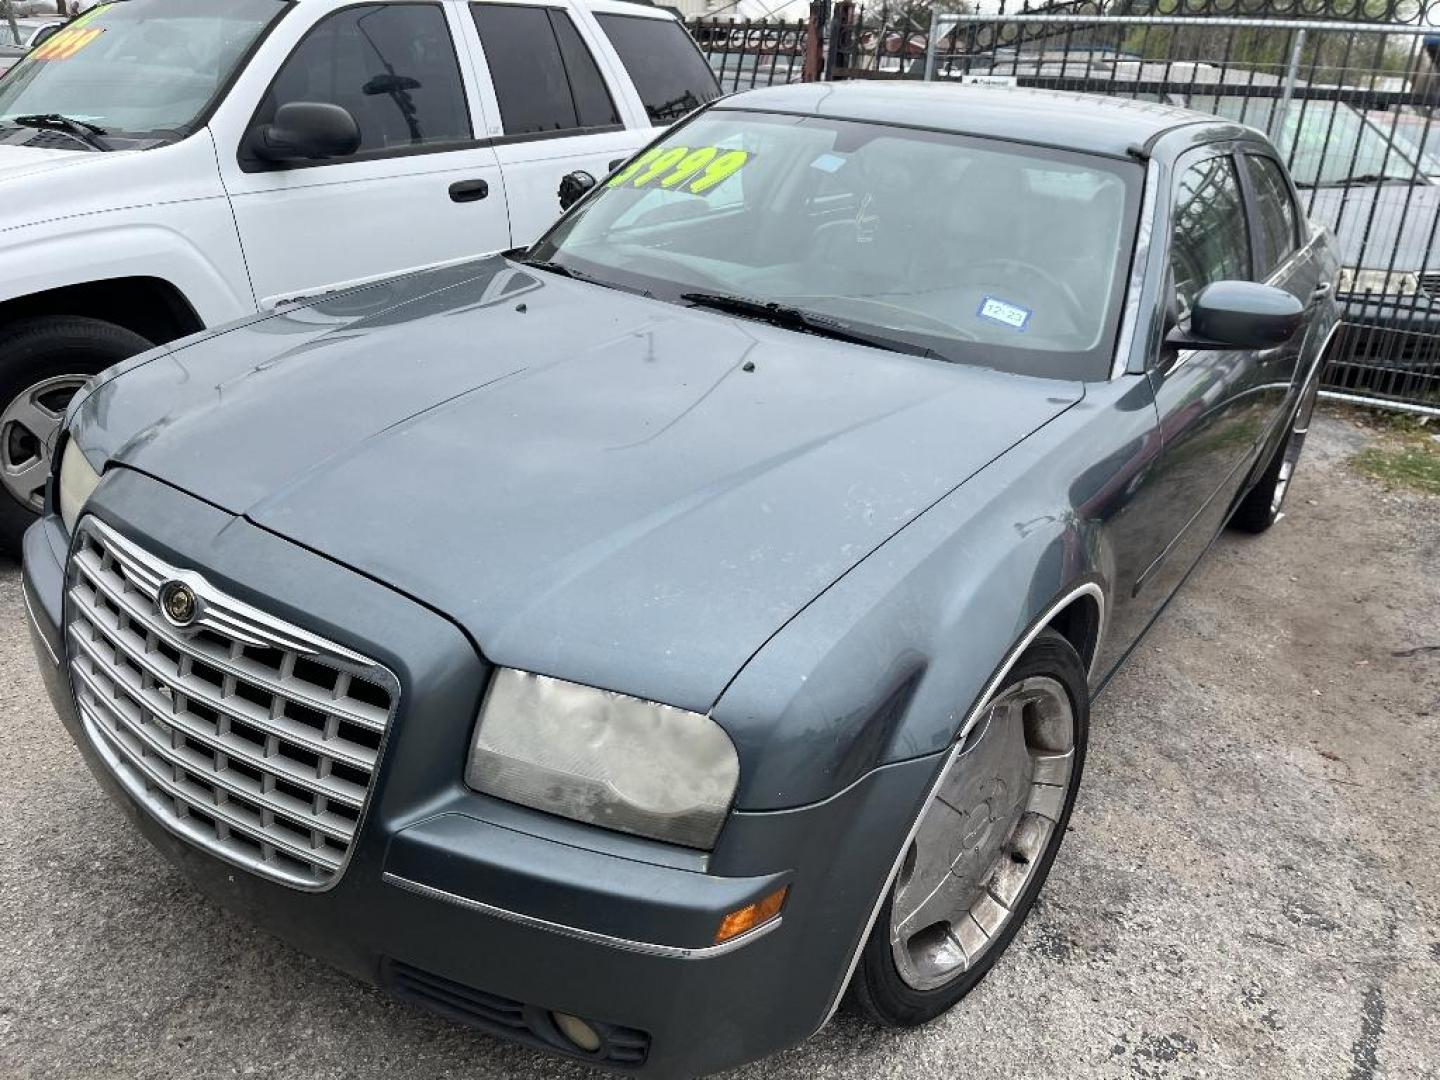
[(744, 53), (1347, 89)]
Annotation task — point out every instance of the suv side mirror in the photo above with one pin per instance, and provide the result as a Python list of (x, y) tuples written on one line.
[(573, 188), (1239, 315), (306, 131)]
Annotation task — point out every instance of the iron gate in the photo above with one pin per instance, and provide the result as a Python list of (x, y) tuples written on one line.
[(1351, 105)]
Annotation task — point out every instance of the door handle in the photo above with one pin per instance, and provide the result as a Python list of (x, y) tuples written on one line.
[(616, 163), (469, 191), (1320, 292)]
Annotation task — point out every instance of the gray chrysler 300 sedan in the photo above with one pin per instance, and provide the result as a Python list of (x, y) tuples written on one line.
[(629, 644)]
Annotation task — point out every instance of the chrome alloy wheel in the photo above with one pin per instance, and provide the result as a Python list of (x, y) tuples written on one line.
[(983, 837), (28, 428)]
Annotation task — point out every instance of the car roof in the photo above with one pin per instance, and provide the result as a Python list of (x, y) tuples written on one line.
[(1085, 122), (642, 8)]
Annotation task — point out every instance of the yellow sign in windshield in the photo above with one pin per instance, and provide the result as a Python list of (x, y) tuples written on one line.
[(679, 168), (67, 43)]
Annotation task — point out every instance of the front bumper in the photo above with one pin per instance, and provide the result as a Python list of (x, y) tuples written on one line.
[(488, 912)]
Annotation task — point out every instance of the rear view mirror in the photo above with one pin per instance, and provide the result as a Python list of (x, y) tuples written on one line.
[(306, 131), (1239, 315), (573, 187)]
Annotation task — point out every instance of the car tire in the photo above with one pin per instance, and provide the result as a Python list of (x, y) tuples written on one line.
[(1264, 504), (43, 362), (910, 973)]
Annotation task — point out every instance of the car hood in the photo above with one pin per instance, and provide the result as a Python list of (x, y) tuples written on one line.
[(1372, 222), (593, 484)]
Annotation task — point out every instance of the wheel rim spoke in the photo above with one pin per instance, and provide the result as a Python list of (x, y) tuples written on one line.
[(28, 426), (984, 835)]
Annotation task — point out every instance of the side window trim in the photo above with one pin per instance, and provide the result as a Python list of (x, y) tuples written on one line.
[(250, 164)]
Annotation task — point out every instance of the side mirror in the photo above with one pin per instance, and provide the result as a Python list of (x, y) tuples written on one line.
[(1239, 315), (573, 188), (306, 131)]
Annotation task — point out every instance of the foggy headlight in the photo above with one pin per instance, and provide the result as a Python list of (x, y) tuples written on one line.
[(603, 758), (1379, 282), (78, 481)]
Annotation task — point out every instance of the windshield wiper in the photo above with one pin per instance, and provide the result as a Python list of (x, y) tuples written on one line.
[(793, 318), (78, 129), (554, 268)]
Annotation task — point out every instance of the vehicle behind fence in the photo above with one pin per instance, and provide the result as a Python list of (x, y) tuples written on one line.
[(1349, 102)]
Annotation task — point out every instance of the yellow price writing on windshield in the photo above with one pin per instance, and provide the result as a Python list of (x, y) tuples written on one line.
[(679, 168), (67, 43)]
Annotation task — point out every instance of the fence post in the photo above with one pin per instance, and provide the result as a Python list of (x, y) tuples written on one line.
[(1277, 121), (932, 45), (814, 62), (839, 20)]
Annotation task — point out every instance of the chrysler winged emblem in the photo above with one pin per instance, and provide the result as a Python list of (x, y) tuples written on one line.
[(179, 604)]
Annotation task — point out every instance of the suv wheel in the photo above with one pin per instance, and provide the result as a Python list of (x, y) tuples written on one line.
[(43, 362)]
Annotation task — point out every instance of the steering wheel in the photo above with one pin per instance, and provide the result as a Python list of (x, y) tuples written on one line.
[(1076, 309)]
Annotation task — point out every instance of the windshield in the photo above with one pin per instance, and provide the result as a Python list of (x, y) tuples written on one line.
[(1326, 142), (976, 250), (139, 69)]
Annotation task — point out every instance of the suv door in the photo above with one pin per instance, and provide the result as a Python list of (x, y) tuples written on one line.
[(557, 110), (421, 190)]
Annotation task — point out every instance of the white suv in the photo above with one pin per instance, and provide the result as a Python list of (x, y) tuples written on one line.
[(171, 165)]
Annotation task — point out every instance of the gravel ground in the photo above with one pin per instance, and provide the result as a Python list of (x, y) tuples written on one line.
[(1251, 886)]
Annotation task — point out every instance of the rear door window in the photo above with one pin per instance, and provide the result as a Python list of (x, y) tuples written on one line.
[(545, 78), (667, 69), (391, 66)]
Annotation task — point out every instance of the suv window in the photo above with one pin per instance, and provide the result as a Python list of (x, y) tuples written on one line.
[(393, 66), (1275, 209), (545, 78), (672, 77), (1210, 241)]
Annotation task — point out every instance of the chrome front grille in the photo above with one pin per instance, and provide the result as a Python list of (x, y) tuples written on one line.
[(249, 737)]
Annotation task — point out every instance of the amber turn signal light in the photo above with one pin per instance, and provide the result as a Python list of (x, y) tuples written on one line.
[(751, 915)]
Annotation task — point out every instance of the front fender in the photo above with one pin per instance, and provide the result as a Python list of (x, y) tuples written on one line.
[(83, 251), (889, 662)]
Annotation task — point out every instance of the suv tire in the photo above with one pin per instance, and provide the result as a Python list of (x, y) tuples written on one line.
[(43, 362)]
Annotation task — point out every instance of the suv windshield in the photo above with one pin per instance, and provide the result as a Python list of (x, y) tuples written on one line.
[(1326, 142), (138, 69), (973, 250)]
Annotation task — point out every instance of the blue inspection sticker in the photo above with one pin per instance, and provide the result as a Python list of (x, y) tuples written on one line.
[(1004, 313), (828, 162)]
